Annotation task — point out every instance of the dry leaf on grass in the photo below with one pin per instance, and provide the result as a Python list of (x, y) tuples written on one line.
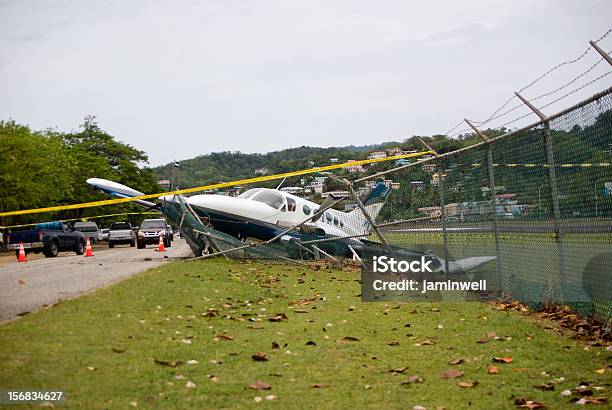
[(451, 374), (169, 363), (504, 359), (320, 385), (260, 357), (259, 385), (467, 385), (222, 337), (279, 317), (493, 370), (546, 386), (456, 361), (413, 379), (529, 404)]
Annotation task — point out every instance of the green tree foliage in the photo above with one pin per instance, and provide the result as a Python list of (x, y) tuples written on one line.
[(41, 169)]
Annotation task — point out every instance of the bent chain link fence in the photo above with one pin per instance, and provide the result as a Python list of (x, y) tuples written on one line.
[(547, 217)]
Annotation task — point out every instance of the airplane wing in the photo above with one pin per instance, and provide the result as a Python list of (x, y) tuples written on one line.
[(118, 190)]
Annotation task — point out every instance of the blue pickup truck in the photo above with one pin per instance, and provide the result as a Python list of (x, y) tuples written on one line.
[(49, 238)]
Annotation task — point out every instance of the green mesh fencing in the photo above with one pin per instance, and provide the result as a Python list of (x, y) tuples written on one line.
[(547, 219)]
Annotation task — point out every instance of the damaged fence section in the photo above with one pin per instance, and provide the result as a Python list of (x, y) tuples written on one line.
[(528, 211)]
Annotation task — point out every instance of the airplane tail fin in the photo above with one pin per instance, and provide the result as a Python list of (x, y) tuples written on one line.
[(373, 203), (118, 190)]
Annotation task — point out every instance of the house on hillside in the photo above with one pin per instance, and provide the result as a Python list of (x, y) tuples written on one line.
[(354, 168), (377, 155), (317, 186), (394, 151), (401, 162)]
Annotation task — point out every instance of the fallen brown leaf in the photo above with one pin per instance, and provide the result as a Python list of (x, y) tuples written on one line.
[(398, 370), (546, 386), (413, 379), (451, 374), (529, 404), (456, 361), (169, 363), (493, 370), (393, 343), (260, 357), (504, 359), (259, 385), (222, 337), (278, 317), (320, 385), (467, 385)]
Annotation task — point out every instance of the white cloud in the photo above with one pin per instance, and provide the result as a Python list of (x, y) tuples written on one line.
[(181, 78)]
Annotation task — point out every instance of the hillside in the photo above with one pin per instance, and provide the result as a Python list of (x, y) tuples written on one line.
[(228, 166)]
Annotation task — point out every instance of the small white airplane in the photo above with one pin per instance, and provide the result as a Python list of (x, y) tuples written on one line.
[(264, 213)]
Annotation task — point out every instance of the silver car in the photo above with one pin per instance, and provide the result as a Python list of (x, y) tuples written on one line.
[(121, 232), (90, 231)]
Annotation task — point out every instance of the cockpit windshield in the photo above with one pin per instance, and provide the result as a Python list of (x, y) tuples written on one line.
[(272, 198), (248, 194)]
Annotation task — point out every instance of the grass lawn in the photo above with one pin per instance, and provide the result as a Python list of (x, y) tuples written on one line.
[(131, 345)]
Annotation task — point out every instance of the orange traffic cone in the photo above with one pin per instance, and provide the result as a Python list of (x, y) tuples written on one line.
[(161, 247), (22, 254), (88, 250)]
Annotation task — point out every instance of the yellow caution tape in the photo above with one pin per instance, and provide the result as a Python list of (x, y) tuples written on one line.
[(85, 218), (213, 186), (531, 165)]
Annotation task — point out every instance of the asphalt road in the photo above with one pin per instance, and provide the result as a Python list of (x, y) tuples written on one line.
[(40, 282)]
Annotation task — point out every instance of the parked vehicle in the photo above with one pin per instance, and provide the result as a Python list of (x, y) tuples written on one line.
[(90, 230), (121, 232), (104, 234), (49, 238), (151, 229)]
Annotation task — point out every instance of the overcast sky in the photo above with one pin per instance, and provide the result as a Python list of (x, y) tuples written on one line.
[(182, 78)]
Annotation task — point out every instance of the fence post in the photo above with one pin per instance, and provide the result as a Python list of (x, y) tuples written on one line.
[(440, 170), (554, 193), (491, 172)]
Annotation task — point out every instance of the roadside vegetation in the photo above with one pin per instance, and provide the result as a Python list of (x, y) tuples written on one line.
[(225, 334), (41, 169)]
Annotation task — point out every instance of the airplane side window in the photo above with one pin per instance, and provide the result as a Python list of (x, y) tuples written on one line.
[(306, 210), (274, 199), (291, 204), (328, 217), (336, 220), (248, 194)]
